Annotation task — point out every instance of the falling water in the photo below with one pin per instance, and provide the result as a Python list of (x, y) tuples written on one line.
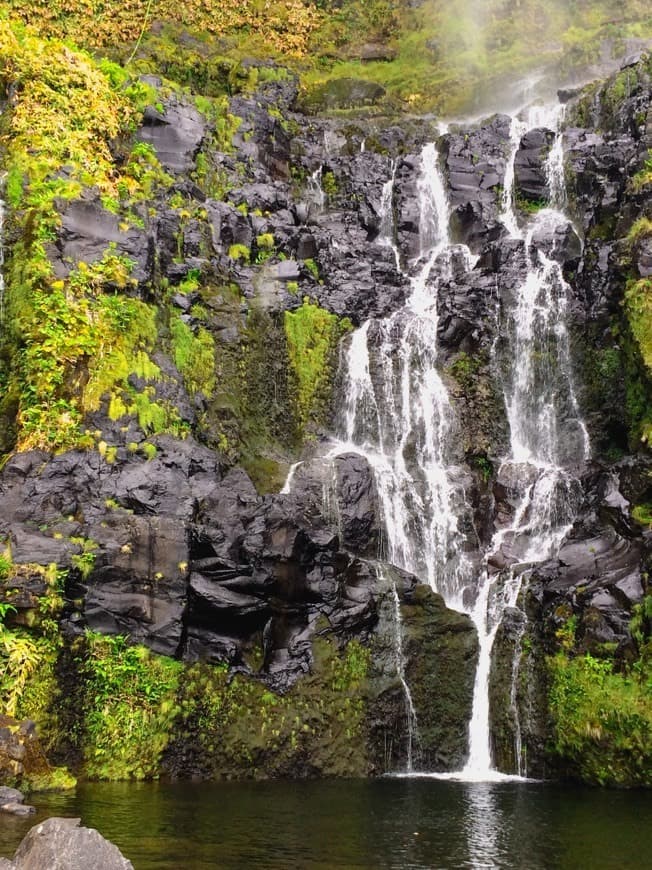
[(548, 442), (315, 191), (287, 486), (387, 579), (397, 412), (387, 228)]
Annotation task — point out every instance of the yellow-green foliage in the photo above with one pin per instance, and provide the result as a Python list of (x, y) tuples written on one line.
[(66, 337), (28, 655), (312, 337), (129, 707), (194, 356), (638, 308), (637, 344), (99, 24), (602, 720)]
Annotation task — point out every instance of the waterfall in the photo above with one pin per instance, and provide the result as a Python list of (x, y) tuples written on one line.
[(548, 442), (287, 486), (387, 229), (397, 412)]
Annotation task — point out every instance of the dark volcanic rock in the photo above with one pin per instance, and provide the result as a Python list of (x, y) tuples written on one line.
[(529, 165), (474, 164), (176, 132)]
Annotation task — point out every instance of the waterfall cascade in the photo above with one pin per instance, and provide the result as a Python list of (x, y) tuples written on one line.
[(397, 413)]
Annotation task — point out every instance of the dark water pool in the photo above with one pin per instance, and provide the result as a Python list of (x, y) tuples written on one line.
[(362, 824)]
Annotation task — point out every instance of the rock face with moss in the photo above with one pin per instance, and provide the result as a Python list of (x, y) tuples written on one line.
[(184, 262)]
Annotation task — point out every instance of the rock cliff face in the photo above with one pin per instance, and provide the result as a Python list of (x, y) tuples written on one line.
[(156, 530)]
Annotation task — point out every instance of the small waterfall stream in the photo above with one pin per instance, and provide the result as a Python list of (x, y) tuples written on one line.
[(397, 412), (548, 440)]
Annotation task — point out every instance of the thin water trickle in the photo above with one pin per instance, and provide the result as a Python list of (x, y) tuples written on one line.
[(315, 192), (287, 486), (412, 724)]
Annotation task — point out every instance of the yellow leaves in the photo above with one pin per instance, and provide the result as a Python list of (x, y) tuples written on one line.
[(282, 25)]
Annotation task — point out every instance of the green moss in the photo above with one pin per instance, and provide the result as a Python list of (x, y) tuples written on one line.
[(53, 779), (312, 267), (57, 360), (642, 513), (243, 729), (465, 370), (194, 356), (329, 183), (530, 206), (265, 241), (239, 252), (640, 229), (312, 337)]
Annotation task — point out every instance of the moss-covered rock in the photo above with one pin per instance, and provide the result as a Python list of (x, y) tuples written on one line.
[(441, 650)]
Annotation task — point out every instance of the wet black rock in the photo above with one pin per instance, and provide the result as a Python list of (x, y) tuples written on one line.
[(176, 132), (474, 163), (530, 178)]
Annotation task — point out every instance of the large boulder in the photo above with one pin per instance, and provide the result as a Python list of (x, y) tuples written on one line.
[(62, 844)]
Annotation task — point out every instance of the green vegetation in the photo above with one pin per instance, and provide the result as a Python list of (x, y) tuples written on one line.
[(129, 707), (455, 58), (530, 206), (69, 341), (638, 311), (239, 252), (602, 720), (602, 717), (465, 370), (312, 338), (262, 26)]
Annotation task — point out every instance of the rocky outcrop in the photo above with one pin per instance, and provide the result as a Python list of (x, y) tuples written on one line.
[(474, 163)]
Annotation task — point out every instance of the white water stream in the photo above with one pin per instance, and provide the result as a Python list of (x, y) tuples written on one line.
[(548, 440)]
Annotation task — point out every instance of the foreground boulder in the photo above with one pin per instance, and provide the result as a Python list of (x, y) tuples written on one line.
[(61, 844)]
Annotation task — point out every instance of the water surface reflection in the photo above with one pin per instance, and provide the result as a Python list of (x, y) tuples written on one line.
[(391, 824)]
